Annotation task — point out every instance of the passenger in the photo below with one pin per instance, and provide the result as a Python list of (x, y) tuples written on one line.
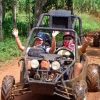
[(39, 41), (69, 42)]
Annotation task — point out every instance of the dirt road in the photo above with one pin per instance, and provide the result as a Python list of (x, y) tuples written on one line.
[(12, 68)]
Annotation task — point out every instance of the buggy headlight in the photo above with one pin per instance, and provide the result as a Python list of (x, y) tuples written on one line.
[(64, 52), (34, 63), (55, 65)]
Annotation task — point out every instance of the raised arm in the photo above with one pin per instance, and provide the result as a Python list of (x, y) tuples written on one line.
[(19, 44), (85, 44), (53, 44)]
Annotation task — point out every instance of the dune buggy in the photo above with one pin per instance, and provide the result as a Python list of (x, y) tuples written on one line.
[(54, 78)]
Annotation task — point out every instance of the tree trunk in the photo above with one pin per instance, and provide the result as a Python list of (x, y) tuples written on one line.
[(14, 13), (1, 13), (70, 5), (28, 14), (39, 9)]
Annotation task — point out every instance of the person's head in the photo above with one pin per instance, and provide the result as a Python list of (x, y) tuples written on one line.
[(68, 37), (68, 40), (38, 42), (41, 38)]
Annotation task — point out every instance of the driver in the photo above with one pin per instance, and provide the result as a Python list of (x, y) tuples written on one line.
[(39, 41), (69, 43)]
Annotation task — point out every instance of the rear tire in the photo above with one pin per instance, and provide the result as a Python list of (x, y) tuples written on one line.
[(93, 77), (6, 88)]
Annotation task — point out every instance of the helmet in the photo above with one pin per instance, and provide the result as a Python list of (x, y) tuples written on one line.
[(44, 36), (40, 35)]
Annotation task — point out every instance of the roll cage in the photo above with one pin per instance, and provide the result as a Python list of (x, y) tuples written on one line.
[(35, 30), (61, 19)]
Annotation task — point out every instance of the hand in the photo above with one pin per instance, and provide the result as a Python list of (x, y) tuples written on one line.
[(88, 40), (55, 33), (15, 32)]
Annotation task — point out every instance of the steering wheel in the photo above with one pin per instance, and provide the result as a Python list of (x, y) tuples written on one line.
[(66, 56)]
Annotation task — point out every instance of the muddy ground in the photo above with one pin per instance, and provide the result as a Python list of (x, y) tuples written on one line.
[(11, 68)]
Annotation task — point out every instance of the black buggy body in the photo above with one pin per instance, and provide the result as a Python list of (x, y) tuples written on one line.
[(56, 78)]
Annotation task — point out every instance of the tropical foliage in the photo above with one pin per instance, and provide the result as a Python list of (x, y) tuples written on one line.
[(28, 11), (87, 5), (23, 14)]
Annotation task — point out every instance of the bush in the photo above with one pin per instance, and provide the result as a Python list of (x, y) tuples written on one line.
[(22, 25), (9, 49)]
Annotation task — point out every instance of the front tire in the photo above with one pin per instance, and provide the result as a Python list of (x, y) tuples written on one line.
[(6, 89)]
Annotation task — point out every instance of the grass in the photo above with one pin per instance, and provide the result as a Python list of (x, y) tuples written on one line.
[(90, 23), (9, 49)]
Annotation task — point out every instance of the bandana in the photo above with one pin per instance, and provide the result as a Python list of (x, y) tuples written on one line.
[(69, 44)]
